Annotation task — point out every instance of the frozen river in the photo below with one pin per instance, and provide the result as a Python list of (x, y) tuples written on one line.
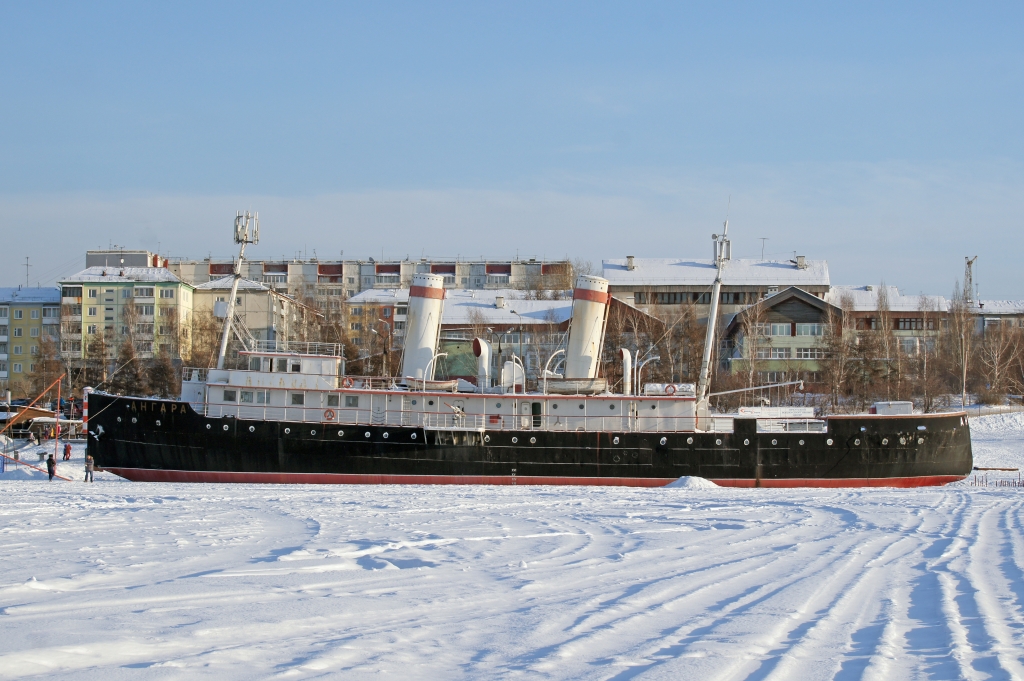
[(135, 580)]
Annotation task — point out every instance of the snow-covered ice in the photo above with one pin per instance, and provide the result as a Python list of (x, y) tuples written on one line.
[(133, 580)]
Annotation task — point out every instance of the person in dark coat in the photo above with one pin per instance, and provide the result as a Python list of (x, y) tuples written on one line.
[(88, 469), (51, 467)]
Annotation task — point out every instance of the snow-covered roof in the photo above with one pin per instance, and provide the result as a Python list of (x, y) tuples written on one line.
[(688, 272), (224, 283), (1000, 307), (471, 306), (865, 299), (121, 274), (15, 295)]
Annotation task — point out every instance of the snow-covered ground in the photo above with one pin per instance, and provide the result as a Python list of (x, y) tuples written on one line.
[(134, 580)]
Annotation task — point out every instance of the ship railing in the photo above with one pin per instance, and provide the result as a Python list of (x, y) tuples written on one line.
[(791, 426), (195, 374), (297, 347), (452, 422)]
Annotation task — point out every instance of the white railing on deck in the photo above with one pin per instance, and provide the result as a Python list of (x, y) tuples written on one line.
[(791, 426)]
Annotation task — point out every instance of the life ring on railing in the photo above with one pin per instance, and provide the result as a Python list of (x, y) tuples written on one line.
[(346, 382), (670, 389), (329, 415)]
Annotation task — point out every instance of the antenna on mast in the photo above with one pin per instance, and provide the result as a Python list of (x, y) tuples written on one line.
[(247, 231), (969, 279), (723, 254)]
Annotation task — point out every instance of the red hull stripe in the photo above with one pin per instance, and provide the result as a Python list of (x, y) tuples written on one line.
[(915, 481), (590, 294), (426, 292), (150, 475)]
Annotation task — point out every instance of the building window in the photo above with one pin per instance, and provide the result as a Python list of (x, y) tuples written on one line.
[(16, 350), (356, 311), (18, 314), (499, 279), (51, 330), (247, 397), (810, 353), (386, 312), (54, 312), (3, 366), (34, 332), (3, 348), (771, 376), (91, 328), (144, 346), (144, 292), (332, 400), (32, 367), (3, 330), (908, 345), (356, 326), (143, 328), (16, 367), (3, 313), (17, 332), (298, 399), (167, 293), (34, 314), (92, 311), (732, 298), (399, 326), (809, 329), (782, 329), (763, 353), (779, 353), (230, 395), (108, 314), (92, 293), (351, 400), (144, 310)]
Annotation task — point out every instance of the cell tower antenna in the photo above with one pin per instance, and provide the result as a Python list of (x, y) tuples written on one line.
[(969, 279), (247, 231)]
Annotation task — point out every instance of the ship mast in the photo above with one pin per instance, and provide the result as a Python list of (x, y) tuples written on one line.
[(723, 253), (243, 236)]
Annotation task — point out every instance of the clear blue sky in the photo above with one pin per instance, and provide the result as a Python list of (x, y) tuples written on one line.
[(885, 138)]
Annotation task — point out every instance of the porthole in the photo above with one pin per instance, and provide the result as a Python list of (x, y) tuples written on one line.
[(158, 422), (225, 426), (414, 402), (554, 406), (533, 440), (581, 406), (413, 436), (134, 420), (615, 440), (119, 420), (615, 458), (385, 436), (252, 429), (341, 433), (497, 405), (207, 426), (430, 402), (718, 442), (487, 438), (801, 443), (746, 442), (856, 442), (612, 407), (829, 442), (689, 440), (920, 440), (654, 406), (885, 440), (774, 442), (367, 433), (515, 440), (312, 432), (664, 441), (287, 431)]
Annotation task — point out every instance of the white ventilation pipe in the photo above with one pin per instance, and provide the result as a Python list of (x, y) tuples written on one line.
[(482, 350), (627, 371), (423, 324), (586, 331)]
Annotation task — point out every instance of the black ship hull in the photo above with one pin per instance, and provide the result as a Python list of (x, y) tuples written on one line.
[(163, 440)]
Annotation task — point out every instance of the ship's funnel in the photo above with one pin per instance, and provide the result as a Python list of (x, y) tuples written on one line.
[(423, 324), (586, 332), (482, 350)]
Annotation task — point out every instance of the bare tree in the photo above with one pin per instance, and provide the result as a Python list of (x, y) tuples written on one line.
[(997, 352), (960, 341), (839, 344)]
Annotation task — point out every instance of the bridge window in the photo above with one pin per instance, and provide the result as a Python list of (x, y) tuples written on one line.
[(230, 395)]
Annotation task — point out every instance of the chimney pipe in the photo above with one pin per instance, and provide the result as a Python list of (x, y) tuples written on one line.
[(630, 263), (499, 302), (482, 350)]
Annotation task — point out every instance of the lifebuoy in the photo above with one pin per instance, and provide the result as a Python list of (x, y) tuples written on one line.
[(670, 389), (346, 382), (329, 414)]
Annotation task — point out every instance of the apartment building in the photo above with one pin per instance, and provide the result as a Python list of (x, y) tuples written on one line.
[(265, 314), (148, 306), (660, 284), (28, 318)]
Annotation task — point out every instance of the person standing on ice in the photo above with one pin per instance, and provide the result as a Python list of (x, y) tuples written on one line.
[(88, 469), (67, 451), (51, 467)]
